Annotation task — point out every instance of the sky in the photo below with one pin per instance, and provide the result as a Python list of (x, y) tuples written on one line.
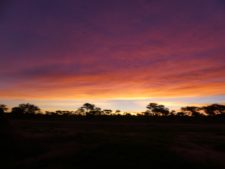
[(117, 54)]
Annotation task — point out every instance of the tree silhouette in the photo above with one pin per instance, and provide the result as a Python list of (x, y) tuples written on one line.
[(17, 112), (214, 109), (26, 109), (107, 112), (117, 112), (96, 112), (80, 111), (147, 113), (91, 109), (191, 110), (88, 107), (180, 114), (172, 113), (3, 107), (157, 110), (59, 112)]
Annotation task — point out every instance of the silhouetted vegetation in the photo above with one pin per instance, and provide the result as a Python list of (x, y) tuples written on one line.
[(3, 108), (25, 109), (3, 120), (214, 109), (191, 110), (91, 137), (91, 109), (155, 109), (88, 109)]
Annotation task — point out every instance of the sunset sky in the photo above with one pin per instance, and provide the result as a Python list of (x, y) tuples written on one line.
[(118, 54)]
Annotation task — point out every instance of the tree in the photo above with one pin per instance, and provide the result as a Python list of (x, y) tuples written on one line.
[(3, 107), (107, 112), (63, 113), (27, 108), (147, 113), (96, 112), (88, 107), (59, 112), (172, 113), (214, 109), (80, 111), (157, 110), (91, 109), (191, 110), (180, 114), (117, 112), (17, 111)]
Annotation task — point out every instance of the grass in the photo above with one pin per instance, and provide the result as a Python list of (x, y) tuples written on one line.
[(91, 143)]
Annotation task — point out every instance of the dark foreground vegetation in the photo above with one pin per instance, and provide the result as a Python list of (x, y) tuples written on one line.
[(88, 109), (53, 141)]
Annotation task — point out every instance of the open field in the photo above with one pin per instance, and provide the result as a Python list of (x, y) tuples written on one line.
[(67, 144)]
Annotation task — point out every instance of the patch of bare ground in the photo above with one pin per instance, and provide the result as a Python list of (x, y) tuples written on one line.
[(202, 148)]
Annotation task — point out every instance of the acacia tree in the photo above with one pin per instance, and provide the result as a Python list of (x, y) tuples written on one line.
[(157, 110)]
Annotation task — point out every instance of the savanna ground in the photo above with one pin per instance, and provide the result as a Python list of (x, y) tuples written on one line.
[(124, 143)]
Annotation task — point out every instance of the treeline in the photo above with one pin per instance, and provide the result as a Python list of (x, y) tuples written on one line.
[(88, 109)]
